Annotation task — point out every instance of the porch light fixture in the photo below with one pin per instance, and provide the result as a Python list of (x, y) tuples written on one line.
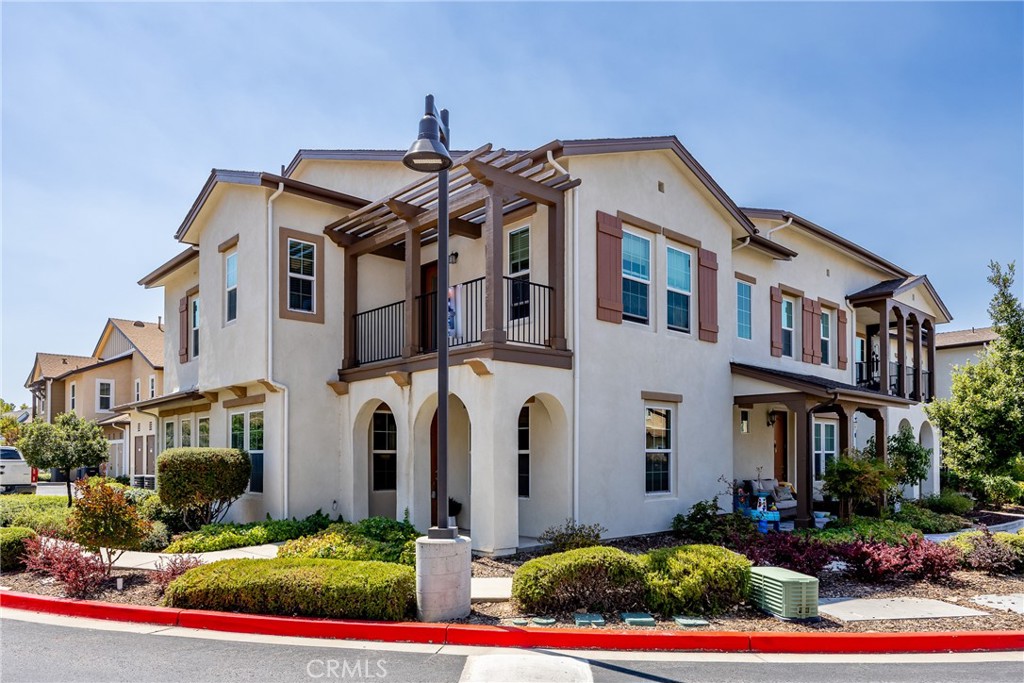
[(429, 154), (453, 257), (771, 419)]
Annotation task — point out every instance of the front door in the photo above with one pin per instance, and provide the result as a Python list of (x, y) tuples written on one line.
[(151, 454), (139, 454), (781, 446)]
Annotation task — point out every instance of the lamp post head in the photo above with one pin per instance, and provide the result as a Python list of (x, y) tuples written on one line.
[(428, 154)]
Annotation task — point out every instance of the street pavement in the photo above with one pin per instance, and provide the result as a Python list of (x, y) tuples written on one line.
[(36, 647)]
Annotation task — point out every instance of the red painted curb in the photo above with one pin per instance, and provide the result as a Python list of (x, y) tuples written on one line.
[(525, 637)]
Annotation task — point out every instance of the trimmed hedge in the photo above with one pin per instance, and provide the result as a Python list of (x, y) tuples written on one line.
[(298, 587), (594, 579), (12, 547), (928, 521), (225, 536), (43, 514), (947, 503), (202, 482), (374, 538), (695, 579), (865, 529)]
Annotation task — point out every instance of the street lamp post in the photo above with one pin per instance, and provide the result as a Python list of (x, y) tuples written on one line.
[(430, 154), (443, 558)]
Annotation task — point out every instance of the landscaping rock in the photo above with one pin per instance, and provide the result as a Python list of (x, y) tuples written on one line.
[(638, 619), (543, 621), (592, 620), (690, 622)]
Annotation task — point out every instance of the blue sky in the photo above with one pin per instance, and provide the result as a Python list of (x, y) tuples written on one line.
[(900, 126)]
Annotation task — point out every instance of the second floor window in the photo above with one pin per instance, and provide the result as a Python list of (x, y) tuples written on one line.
[(788, 320), (519, 271), (74, 397), (104, 396), (826, 337), (678, 290), (301, 275), (636, 277), (193, 317), (744, 327), (152, 386), (231, 286), (138, 390)]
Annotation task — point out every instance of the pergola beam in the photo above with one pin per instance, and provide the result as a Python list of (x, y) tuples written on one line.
[(489, 175)]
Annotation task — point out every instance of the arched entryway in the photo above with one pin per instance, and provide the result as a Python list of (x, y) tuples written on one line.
[(544, 475), (459, 461), (930, 485), (382, 463)]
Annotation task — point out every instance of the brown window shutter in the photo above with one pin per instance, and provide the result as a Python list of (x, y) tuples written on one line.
[(841, 341), (816, 332), (183, 329), (807, 331), (609, 268), (776, 321), (707, 290)]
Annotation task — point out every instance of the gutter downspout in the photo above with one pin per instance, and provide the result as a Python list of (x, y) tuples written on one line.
[(746, 241), (780, 227), (575, 341), (270, 348)]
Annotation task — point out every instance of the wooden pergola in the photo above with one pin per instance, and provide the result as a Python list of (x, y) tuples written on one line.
[(487, 188)]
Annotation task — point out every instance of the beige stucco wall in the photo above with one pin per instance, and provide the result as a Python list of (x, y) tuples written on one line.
[(86, 381), (366, 179), (178, 376)]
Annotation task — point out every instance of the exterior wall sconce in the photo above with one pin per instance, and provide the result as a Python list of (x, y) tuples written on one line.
[(453, 258), (771, 419)]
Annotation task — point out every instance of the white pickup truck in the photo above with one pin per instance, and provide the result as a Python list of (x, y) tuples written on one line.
[(15, 474)]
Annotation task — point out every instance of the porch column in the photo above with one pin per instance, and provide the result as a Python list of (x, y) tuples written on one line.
[(918, 389), (494, 500), (804, 471), (881, 437), (845, 412), (883, 347), (412, 292), (494, 269), (901, 353), (931, 359), (556, 274), (349, 359)]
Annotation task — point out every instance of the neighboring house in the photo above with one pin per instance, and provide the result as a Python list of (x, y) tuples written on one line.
[(622, 333), (956, 348), (125, 367)]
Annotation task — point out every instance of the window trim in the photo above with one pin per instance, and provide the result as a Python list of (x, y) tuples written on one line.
[(246, 443), (174, 434), (199, 420), (688, 292), (383, 410), (519, 296), (825, 342), (791, 329), (818, 437), (182, 421), (228, 289), (194, 323), (627, 317), (73, 396), (152, 386), (138, 389), (670, 451), (100, 382), (319, 305), (750, 310)]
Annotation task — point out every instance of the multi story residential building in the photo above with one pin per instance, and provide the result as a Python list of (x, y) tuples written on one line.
[(125, 367), (622, 336)]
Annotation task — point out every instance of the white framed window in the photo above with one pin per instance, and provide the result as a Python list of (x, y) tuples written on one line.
[(862, 372), (74, 396), (788, 326), (519, 272), (138, 390), (524, 452), (152, 386), (247, 435), (824, 447), (826, 338), (384, 449), (185, 431), (203, 432), (301, 276), (658, 449), (679, 288), (231, 286), (744, 318), (636, 277), (744, 422), (169, 428), (104, 395), (193, 318)]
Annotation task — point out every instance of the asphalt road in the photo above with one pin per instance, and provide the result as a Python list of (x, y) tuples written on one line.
[(47, 649)]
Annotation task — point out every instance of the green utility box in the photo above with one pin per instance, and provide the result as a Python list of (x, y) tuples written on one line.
[(784, 593)]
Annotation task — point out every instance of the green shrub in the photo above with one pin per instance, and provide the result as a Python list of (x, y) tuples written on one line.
[(571, 535), (855, 477), (695, 579), (1016, 544), (103, 521), (929, 522), (152, 509), (45, 475), (43, 514), (593, 579), (999, 553), (345, 541), (225, 536), (298, 587), (202, 482), (12, 547), (1002, 489), (948, 503), (157, 539), (865, 529), (705, 523)]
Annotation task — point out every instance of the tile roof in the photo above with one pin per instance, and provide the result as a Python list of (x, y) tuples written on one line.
[(57, 364), (971, 337), (148, 338)]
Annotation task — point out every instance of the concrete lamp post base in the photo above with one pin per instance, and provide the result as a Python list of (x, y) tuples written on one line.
[(443, 571)]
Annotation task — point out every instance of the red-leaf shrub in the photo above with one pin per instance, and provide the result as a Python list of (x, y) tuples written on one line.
[(170, 568), (81, 574), (791, 551), (915, 558), (930, 560)]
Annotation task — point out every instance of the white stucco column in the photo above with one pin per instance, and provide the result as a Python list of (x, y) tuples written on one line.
[(494, 499)]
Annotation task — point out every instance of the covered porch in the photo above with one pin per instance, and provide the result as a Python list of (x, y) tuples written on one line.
[(794, 437)]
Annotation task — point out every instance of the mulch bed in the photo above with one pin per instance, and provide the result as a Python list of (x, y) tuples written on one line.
[(1012, 513), (138, 589)]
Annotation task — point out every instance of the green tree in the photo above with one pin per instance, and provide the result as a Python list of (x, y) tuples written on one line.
[(65, 444), (982, 422), (5, 407), (10, 430), (856, 477), (907, 458), (104, 521)]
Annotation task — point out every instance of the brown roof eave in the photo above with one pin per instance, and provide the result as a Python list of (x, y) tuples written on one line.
[(188, 395), (773, 249), (824, 390), (169, 267), (299, 188), (97, 364)]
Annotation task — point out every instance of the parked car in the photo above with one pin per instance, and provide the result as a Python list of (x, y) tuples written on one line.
[(15, 474)]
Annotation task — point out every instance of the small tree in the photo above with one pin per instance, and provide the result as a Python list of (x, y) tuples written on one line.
[(202, 483), (854, 477), (907, 458), (104, 522), (69, 442)]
